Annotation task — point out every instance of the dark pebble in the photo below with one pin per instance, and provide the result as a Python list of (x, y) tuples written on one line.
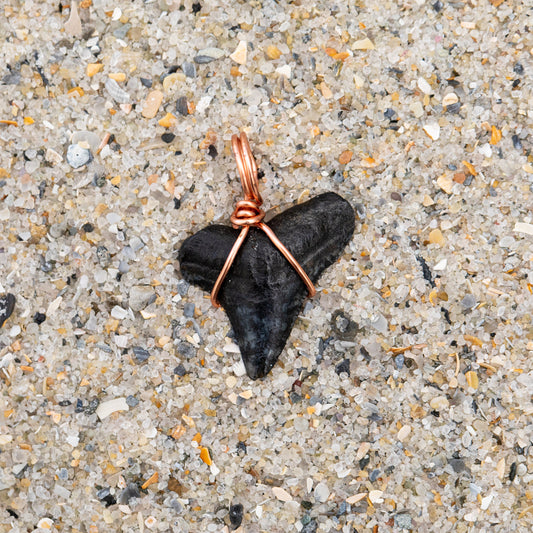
[(201, 60), (140, 354), (188, 310), (177, 203), (396, 196), (338, 177), (188, 69), (373, 475), (146, 82), (311, 527), (196, 7), (389, 113), (343, 366), (99, 180), (168, 137), (12, 513), (512, 472), (105, 495), (7, 305), (426, 271), (437, 6), (360, 211), (235, 515), (103, 256), (342, 508), (88, 227), (79, 406), (180, 370), (453, 108), (517, 143), (92, 407), (363, 463), (458, 465), (307, 505), (12, 79), (343, 326), (518, 68), (241, 447), (65, 403), (132, 401), (212, 151), (181, 106), (186, 349), (131, 491)]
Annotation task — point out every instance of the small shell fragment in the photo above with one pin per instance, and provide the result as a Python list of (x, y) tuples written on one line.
[(432, 130), (404, 433), (424, 86), (106, 409), (240, 53), (281, 494), (116, 92), (363, 44), (356, 498), (449, 99), (523, 227), (375, 496)]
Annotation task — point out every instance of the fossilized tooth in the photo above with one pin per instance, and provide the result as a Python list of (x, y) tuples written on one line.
[(262, 293), (7, 304)]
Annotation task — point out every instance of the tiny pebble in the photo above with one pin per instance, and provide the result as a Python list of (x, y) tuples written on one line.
[(240, 53), (439, 403), (188, 310), (321, 492), (151, 104), (168, 137), (78, 156), (116, 92), (188, 69), (424, 86), (404, 433), (432, 130), (132, 401), (436, 237), (403, 521), (281, 494), (140, 354), (181, 106), (375, 496), (236, 515)]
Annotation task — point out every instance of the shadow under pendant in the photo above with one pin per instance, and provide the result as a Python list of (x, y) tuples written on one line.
[(262, 288)]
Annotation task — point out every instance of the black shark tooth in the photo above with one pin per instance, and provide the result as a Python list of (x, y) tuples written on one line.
[(262, 293)]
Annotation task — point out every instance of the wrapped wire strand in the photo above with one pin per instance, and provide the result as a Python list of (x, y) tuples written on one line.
[(248, 213)]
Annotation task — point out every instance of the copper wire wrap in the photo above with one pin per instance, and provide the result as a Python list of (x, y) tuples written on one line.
[(248, 213)]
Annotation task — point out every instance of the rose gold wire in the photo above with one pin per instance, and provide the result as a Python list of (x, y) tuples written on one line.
[(248, 213)]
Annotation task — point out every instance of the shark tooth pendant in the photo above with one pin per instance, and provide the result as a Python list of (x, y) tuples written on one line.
[(262, 273)]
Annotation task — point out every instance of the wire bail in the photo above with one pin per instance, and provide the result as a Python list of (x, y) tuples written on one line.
[(248, 213)]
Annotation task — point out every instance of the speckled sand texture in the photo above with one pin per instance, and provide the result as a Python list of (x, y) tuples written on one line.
[(403, 400)]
